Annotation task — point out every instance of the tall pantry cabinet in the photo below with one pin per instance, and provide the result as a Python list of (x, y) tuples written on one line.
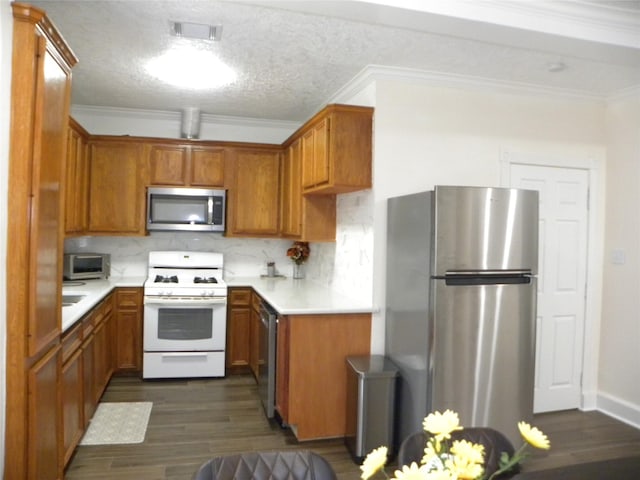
[(40, 97)]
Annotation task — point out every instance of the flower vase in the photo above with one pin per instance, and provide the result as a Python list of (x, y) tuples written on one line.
[(298, 270)]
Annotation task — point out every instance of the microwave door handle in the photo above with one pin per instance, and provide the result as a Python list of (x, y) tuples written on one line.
[(210, 211)]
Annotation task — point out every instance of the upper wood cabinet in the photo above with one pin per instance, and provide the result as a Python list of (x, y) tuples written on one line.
[(310, 217), (116, 187), (76, 178), (336, 150), (186, 165), (253, 201)]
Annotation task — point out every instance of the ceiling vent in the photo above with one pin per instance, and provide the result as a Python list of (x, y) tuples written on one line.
[(198, 31)]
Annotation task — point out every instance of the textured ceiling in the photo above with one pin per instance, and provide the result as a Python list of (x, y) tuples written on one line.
[(290, 61)]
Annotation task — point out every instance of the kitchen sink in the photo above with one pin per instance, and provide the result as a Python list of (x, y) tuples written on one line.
[(71, 299)]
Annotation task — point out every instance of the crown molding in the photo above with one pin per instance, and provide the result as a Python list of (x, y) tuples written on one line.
[(373, 73), (171, 116)]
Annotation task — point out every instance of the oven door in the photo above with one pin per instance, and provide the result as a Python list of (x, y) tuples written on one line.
[(184, 324)]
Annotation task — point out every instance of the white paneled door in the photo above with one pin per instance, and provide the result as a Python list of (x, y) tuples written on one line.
[(562, 279)]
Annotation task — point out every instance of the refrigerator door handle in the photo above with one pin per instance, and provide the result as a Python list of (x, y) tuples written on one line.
[(504, 279)]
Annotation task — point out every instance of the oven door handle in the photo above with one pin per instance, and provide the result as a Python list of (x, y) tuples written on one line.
[(184, 301)]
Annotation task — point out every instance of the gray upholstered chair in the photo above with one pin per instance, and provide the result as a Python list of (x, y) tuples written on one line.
[(412, 448), (287, 465)]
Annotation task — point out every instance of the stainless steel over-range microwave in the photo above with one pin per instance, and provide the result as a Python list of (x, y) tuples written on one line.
[(187, 209)]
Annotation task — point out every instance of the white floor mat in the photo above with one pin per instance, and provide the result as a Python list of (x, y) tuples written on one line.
[(118, 422)]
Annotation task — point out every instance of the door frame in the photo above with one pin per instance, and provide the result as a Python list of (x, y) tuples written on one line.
[(595, 250)]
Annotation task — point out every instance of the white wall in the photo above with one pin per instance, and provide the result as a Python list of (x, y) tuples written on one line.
[(6, 29), (619, 368)]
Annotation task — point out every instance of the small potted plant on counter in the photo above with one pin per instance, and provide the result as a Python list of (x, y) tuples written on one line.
[(298, 252)]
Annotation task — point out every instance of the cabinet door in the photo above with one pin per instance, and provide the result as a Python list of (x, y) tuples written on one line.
[(255, 193), (88, 379), (321, 165), (76, 183), (238, 334), (46, 207), (116, 188), (43, 451), (308, 169), (168, 165), (292, 191), (100, 356), (72, 404), (207, 167), (129, 329)]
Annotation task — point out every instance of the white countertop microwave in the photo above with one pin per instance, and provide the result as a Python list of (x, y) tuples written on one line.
[(186, 209)]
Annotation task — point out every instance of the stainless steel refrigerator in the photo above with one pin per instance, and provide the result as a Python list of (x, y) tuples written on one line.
[(461, 305)]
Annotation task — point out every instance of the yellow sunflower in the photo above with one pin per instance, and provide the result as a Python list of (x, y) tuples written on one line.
[(373, 462), (533, 436), (411, 472), (442, 424), (472, 452)]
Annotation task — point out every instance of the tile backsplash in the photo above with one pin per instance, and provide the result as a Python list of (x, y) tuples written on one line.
[(344, 266)]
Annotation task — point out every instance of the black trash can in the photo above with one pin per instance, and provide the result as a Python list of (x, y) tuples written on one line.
[(371, 394)]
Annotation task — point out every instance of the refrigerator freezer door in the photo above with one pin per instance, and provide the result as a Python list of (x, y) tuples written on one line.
[(480, 229), (482, 362)]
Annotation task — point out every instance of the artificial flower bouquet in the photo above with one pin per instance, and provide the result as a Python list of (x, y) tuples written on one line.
[(299, 252), (460, 460)]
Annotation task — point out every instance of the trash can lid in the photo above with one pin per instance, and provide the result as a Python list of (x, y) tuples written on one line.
[(373, 366)]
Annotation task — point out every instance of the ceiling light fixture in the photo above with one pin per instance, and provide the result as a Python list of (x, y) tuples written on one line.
[(198, 31), (192, 68)]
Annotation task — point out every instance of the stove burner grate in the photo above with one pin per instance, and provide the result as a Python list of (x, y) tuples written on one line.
[(166, 279), (205, 280)]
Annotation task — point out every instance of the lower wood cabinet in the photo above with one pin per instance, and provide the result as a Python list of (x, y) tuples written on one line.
[(311, 374), (238, 330), (44, 417), (88, 360), (128, 317), (72, 391)]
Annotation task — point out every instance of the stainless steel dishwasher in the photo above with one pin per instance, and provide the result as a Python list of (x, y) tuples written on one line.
[(267, 358)]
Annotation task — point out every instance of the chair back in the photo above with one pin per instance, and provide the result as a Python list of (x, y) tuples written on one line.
[(287, 465), (494, 442)]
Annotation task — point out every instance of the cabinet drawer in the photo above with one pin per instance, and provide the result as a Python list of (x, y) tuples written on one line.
[(240, 297), (128, 298)]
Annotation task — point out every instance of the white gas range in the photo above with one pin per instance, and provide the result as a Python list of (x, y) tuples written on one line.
[(185, 315)]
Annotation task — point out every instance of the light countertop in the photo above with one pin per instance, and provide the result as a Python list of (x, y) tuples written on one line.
[(286, 295), (301, 296), (93, 291)]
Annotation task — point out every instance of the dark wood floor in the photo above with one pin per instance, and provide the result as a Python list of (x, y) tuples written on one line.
[(192, 421)]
